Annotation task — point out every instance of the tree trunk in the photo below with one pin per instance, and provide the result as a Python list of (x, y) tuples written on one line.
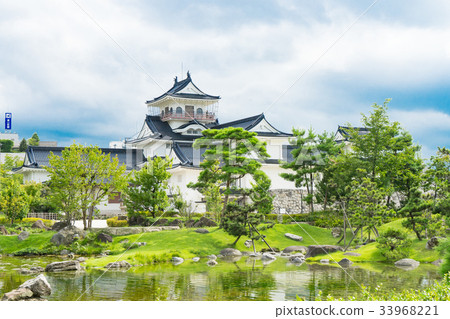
[(236, 240), (91, 214), (84, 219)]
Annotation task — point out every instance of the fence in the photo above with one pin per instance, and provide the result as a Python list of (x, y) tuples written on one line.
[(50, 216)]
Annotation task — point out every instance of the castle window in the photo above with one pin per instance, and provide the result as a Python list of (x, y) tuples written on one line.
[(190, 131), (199, 111), (179, 110)]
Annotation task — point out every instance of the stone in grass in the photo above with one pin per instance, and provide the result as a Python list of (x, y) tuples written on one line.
[(202, 231), (314, 250), (324, 261), (196, 259), (23, 235), (212, 257), (292, 249), (345, 262), (293, 237), (118, 265), (39, 224), (350, 253), (228, 252), (104, 238), (267, 256), (297, 259)]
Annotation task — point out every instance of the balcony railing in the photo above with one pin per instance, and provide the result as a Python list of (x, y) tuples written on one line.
[(208, 117)]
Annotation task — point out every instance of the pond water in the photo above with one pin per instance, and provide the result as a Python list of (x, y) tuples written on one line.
[(245, 279)]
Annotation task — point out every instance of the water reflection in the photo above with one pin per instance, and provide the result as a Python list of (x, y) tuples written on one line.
[(245, 279)]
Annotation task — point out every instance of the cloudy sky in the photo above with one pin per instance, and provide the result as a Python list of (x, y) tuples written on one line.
[(82, 70)]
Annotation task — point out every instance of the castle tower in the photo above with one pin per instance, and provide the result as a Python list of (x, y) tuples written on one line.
[(184, 103)]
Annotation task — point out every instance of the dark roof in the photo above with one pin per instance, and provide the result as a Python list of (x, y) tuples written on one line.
[(163, 128), (190, 123), (180, 85), (37, 156), (345, 131), (248, 123)]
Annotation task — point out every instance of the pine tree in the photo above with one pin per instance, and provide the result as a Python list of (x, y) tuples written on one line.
[(23, 145)]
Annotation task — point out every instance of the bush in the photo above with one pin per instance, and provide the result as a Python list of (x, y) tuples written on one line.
[(3, 220), (394, 244), (115, 222), (32, 220)]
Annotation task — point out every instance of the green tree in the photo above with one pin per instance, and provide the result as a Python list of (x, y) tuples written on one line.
[(6, 146), (417, 212), (82, 178), (210, 186), (147, 191), (437, 180), (14, 201), (394, 244), (34, 140), (367, 206), (239, 153), (312, 163), (23, 145)]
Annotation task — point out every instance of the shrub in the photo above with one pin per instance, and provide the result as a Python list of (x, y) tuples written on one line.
[(3, 220), (32, 220), (115, 222), (394, 244)]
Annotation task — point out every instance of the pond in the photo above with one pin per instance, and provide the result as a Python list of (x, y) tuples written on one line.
[(246, 279)]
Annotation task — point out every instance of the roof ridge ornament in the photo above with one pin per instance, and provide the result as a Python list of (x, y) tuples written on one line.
[(176, 79), (188, 75)]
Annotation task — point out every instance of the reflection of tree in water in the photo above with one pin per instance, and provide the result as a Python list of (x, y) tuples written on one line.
[(338, 282), (147, 286), (10, 281), (240, 285)]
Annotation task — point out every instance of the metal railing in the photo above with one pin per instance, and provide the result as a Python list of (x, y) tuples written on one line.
[(188, 116), (50, 216)]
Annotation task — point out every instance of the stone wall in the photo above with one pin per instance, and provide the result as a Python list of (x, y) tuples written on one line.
[(290, 201)]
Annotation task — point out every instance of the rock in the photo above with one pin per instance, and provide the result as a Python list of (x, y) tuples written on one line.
[(81, 259), (297, 259), (64, 252), (293, 237), (201, 231), (39, 224), (230, 252), (433, 242), (118, 264), (60, 225), (69, 265), (39, 286), (292, 249), (248, 243), (349, 253), (176, 222), (337, 232), (196, 259), (212, 257), (23, 235), (211, 263), (407, 264), (437, 262), (253, 255), (189, 224), (268, 250), (18, 294), (205, 222), (267, 256), (345, 262), (66, 235), (104, 238), (177, 260), (324, 261), (139, 244), (161, 221), (315, 250), (3, 230), (124, 241)]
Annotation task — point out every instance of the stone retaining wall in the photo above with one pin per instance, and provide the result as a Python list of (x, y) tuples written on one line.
[(290, 201)]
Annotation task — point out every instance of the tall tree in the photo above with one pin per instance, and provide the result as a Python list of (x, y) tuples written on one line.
[(23, 145), (240, 154), (417, 212), (81, 178), (147, 191), (14, 201), (6, 146), (311, 164), (34, 140)]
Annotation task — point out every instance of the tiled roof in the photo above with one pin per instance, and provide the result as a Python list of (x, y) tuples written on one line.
[(180, 85), (38, 156)]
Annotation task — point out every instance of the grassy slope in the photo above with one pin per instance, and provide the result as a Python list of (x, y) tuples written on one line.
[(370, 252), (10, 244), (187, 243)]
